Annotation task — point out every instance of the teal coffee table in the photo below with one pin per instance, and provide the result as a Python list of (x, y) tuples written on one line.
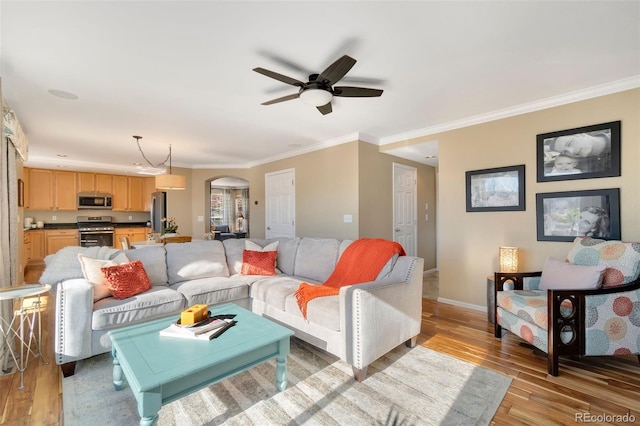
[(162, 369)]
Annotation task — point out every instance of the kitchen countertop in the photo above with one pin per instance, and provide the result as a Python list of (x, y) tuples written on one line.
[(75, 226)]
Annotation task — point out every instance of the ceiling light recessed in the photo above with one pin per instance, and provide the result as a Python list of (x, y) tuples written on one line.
[(62, 155), (62, 94), (431, 156)]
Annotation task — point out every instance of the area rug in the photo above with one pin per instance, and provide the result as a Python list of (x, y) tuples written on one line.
[(418, 386)]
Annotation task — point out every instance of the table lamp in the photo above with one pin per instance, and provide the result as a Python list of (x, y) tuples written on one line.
[(508, 259)]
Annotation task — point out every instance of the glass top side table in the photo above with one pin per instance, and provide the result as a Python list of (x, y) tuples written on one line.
[(25, 319)]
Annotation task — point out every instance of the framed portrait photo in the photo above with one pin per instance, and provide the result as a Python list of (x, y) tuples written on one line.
[(495, 190), (580, 153), (563, 216)]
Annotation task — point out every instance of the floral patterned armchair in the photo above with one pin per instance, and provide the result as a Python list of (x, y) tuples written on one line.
[(588, 305)]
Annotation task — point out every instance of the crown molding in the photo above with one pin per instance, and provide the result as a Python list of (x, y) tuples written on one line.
[(554, 101)]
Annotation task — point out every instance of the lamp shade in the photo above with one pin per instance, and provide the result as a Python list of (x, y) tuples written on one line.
[(508, 259), (316, 97), (171, 181)]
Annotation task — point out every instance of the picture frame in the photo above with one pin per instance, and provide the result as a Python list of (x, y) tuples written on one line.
[(20, 193), (563, 216), (497, 189), (581, 153)]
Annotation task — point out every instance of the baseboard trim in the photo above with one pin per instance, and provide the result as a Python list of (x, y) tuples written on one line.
[(428, 271), (462, 304)]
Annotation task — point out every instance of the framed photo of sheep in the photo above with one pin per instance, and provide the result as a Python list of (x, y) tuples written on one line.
[(580, 153), (563, 216)]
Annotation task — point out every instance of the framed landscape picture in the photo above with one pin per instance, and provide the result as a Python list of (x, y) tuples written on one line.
[(563, 216), (580, 153), (499, 189)]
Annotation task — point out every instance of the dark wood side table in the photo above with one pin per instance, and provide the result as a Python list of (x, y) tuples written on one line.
[(491, 299)]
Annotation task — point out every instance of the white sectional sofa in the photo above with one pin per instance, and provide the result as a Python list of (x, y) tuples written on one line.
[(359, 325)]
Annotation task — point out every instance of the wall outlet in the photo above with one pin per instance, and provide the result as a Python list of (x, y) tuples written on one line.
[(54, 217), (200, 218), (426, 217), (130, 217)]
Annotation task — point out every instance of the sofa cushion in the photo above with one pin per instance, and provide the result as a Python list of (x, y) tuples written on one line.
[(158, 302), (213, 290), (154, 260), (64, 264), (274, 291), (621, 259), (259, 262), (126, 280), (560, 275), (199, 259), (287, 248), (316, 258), (92, 271), (324, 311), (250, 245)]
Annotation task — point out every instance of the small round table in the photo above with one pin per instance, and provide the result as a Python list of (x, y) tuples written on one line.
[(27, 313)]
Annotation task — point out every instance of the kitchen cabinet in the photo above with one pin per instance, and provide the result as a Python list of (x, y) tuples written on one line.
[(86, 182), (55, 239), (95, 182), (127, 193), (51, 190), (134, 234), (104, 183), (148, 189), (33, 245)]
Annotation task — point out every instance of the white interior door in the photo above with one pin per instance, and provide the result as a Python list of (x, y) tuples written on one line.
[(280, 196), (405, 224)]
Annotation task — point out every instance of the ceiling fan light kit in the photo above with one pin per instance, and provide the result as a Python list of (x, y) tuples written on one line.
[(316, 97), (317, 91)]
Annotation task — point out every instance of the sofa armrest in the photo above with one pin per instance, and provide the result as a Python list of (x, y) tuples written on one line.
[(568, 310), (378, 316), (74, 311)]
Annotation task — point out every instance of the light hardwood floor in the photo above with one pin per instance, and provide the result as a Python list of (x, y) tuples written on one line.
[(603, 386)]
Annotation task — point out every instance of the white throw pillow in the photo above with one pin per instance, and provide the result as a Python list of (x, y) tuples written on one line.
[(560, 275), (91, 269), (249, 245)]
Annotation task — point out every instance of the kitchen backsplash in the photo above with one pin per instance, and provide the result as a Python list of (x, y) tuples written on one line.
[(47, 216)]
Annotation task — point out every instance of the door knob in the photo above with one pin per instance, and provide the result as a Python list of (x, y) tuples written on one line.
[(268, 228), (397, 229)]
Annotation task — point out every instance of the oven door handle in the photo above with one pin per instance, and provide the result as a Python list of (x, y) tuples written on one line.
[(95, 232)]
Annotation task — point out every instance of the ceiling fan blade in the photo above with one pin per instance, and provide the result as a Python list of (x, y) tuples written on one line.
[(363, 80), (325, 109), (279, 77), (336, 70), (286, 62), (282, 99), (356, 92)]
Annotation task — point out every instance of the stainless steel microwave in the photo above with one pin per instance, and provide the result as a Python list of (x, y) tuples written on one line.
[(95, 201)]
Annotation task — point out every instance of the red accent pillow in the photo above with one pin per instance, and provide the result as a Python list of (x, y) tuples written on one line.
[(126, 280), (258, 262)]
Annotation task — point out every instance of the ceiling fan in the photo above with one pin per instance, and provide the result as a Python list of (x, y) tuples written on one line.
[(319, 90)]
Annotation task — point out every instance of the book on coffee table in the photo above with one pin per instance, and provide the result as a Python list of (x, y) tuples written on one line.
[(205, 331)]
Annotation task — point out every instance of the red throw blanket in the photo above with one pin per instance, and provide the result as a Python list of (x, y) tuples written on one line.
[(361, 262)]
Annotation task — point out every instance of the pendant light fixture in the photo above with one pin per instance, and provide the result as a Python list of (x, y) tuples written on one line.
[(166, 181)]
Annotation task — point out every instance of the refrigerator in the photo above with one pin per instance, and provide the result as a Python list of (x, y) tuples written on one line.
[(158, 210)]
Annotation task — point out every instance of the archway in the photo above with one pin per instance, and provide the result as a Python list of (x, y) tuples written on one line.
[(229, 204)]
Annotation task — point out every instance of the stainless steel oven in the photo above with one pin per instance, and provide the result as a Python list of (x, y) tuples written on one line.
[(95, 231)]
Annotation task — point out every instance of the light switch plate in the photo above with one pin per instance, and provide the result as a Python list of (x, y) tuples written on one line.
[(348, 218)]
